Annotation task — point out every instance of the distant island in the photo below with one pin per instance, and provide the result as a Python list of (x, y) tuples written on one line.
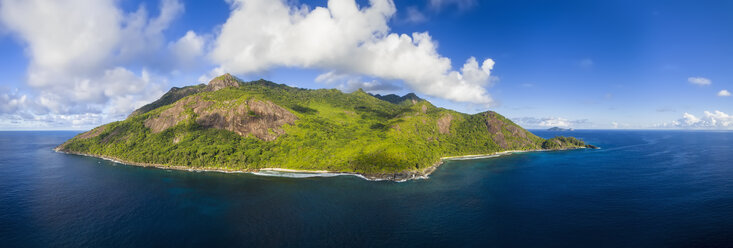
[(230, 125), (560, 129)]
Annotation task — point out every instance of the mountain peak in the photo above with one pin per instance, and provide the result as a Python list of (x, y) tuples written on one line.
[(412, 97), (399, 99), (223, 81)]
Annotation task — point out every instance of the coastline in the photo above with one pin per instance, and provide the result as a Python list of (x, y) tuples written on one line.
[(298, 173), (490, 155)]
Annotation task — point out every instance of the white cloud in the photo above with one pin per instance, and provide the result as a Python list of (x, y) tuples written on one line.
[(142, 36), (331, 77), (346, 39), (614, 124), (80, 52), (348, 83), (709, 120), (554, 122), (532, 122), (11, 103), (24, 121), (188, 48), (689, 119), (699, 80), (724, 93)]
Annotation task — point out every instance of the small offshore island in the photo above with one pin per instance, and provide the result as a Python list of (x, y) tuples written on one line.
[(560, 129), (230, 125)]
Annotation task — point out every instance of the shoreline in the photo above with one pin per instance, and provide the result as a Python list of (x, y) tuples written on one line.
[(271, 171), (489, 155), (296, 170)]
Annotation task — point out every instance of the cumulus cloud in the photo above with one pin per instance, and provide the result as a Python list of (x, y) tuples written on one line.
[(724, 93), (709, 120), (349, 83), (11, 102), (25, 121), (699, 81), (80, 52), (554, 122), (533, 122), (345, 39), (188, 49)]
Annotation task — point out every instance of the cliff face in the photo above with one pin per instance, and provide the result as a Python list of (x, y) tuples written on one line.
[(229, 124)]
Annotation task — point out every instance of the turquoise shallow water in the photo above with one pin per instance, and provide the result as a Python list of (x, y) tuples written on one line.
[(643, 189)]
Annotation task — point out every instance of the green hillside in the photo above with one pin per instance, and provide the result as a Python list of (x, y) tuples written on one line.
[(232, 125)]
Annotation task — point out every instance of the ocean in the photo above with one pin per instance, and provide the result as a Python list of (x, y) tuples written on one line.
[(641, 189)]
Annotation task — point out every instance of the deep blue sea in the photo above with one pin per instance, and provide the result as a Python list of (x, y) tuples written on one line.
[(642, 189)]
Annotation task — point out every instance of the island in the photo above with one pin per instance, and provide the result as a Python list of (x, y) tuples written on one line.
[(231, 125), (560, 129)]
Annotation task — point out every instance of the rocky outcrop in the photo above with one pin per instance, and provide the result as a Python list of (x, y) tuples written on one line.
[(444, 123), (516, 131), (223, 81), (175, 114), (494, 126), (498, 127), (261, 119)]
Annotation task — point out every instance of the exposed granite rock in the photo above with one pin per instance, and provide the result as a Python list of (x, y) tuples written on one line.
[(223, 81), (497, 128), (444, 123), (494, 126), (262, 119), (175, 114), (403, 175)]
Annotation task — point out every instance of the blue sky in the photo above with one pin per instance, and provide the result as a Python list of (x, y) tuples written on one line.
[(580, 64)]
